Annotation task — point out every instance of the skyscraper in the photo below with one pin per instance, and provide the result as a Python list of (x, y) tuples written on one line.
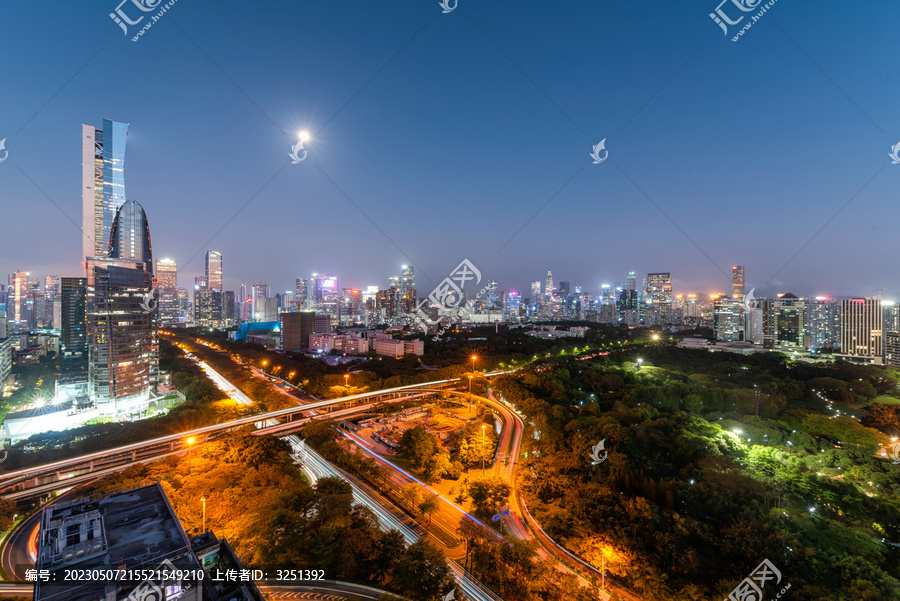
[(18, 299), (214, 270), (73, 335), (659, 291), (861, 328), (727, 318), (407, 289), (301, 294), (123, 354), (167, 282), (631, 281), (737, 281), (121, 336), (129, 236), (790, 318), (548, 288), (102, 183)]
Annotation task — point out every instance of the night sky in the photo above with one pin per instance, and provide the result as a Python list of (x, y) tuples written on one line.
[(437, 137)]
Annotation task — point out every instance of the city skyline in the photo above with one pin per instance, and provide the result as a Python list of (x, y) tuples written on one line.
[(388, 162)]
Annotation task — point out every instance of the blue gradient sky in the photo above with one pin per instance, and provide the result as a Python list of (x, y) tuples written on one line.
[(450, 148)]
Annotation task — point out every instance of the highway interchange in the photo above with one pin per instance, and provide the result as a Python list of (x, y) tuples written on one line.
[(445, 521)]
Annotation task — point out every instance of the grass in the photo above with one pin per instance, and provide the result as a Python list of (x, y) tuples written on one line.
[(886, 399)]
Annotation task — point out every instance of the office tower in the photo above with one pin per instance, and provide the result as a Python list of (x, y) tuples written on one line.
[(199, 282), (737, 281), (102, 183), (892, 348), (548, 287), (861, 329), (536, 294), (258, 295), (790, 315), (492, 295), (327, 295), (564, 289), (407, 289), (73, 334), (183, 302), (121, 336), (727, 319), (167, 284), (208, 308), (754, 321), (821, 323), (129, 236), (891, 316), (302, 294), (627, 307), (296, 328), (214, 270), (17, 305), (630, 281), (659, 293), (229, 315)]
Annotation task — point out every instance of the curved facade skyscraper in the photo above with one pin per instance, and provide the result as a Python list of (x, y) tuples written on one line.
[(129, 236)]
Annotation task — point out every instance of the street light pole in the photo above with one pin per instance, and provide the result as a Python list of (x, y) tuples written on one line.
[(482, 449), (203, 498)]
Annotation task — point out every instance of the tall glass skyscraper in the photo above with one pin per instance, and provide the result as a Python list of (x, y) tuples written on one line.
[(214, 270), (129, 236), (103, 183)]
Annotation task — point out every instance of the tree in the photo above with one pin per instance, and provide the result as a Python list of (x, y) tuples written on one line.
[(418, 445), (488, 493), (422, 571), (411, 493), (429, 505), (437, 465)]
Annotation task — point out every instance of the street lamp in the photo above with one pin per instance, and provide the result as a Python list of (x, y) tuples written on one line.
[(203, 498), (346, 380), (639, 361), (473, 361), (483, 426)]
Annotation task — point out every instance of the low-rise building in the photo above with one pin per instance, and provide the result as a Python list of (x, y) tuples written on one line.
[(135, 530)]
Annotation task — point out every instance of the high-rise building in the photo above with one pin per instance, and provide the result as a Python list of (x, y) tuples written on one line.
[(296, 328), (229, 308), (727, 318), (302, 294), (18, 300), (120, 336), (407, 289), (327, 295), (892, 348), (822, 323), (167, 283), (258, 295), (73, 334), (631, 281), (536, 294), (737, 281), (659, 293), (199, 282), (103, 183), (548, 288), (790, 316), (208, 308), (129, 236), (214, 270), (861, 329)]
